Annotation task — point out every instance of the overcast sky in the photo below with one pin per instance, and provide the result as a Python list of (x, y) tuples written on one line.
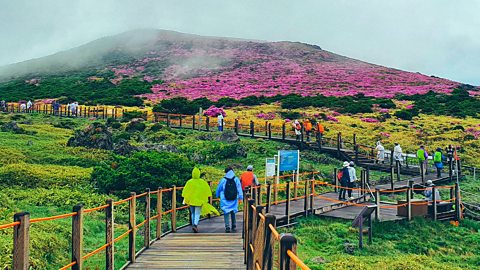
[(434, 37)]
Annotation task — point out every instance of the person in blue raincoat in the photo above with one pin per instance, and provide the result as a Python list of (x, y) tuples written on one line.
[(229, 191)]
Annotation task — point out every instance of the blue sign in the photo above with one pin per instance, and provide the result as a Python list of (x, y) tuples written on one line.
[(288, 160)]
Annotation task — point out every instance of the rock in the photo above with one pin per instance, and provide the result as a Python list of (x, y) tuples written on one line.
[(349, 248), (124, 148), (159, 148), (228, 136), (95, 135), (318, 260), (136, 124)]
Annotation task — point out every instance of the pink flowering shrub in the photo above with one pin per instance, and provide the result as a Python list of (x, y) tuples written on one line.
[(331, 118), (369, 120), (384, 134), (384, 111), (266, 116), (474, 132), (214, 112)]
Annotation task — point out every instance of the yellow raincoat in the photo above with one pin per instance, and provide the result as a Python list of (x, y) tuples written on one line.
[(196, 193)]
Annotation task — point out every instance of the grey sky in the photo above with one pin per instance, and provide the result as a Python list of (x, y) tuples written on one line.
[(434, 37)]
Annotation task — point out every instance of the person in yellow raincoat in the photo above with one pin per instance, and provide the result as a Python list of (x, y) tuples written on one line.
[(196, 193)]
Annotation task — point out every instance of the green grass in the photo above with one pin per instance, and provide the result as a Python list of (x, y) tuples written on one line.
[(420, 244)]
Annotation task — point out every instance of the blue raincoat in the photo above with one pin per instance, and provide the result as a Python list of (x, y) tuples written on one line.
[(225, 205)]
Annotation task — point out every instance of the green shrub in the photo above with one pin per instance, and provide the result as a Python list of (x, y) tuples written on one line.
[(142, 170), (127, 116)]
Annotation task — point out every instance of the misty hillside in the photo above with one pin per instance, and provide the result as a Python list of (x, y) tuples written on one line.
[(158, 64)]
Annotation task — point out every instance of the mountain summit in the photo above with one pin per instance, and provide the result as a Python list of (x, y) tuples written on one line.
[(177, 64)]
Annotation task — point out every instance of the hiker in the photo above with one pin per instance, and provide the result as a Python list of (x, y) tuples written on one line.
[(298, 129), (3, 105), (429, 190), (353, 177), (29, 105), (397, 155), (23, 107), (73, 108), (56, 107), (229, 191), (450, 152), (344, 178), (307, 125), (438, 161), (248, 178), (220, 122), (195, 194), (422, 157), (319, 130), (380, 153)]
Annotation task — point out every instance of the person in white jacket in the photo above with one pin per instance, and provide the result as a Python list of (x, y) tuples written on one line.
[(397, 154), (353, 177)]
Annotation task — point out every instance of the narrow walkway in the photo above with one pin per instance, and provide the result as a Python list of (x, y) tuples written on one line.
[(211, 248)]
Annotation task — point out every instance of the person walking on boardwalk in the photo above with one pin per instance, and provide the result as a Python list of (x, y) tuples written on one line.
[(220, 120), (380, 153), (229, 191), (438, 161), (344, 178), (450, 152), (319, 130), (297, 127), (248, 178), (422, 160), (428, 193), (307, 125), (397, 154), (353, 177), (195, 194)]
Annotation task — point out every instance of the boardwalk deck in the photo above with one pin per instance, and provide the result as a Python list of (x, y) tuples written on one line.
[(212, 248), (351, 212)]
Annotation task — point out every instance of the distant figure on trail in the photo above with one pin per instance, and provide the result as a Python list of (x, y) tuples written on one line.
[(429, 192), (319, 130), (397, 154), (450, 152), (353, 177), (438, 161), (3, 105), (195, 194), (73, 108), (29, 106), (422, 157), (23, 107), (56, 107), (297, 127), (307, 125), (229, 191), (220, 122), (380, 153), (248, 178), (344, 178)]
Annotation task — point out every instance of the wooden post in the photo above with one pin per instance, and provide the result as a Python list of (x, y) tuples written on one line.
[(434, 202), (267, 261), (252, 129), (409, 203), (21, 241), (305, 202), (174, 209), (249, 232), (458, 211), (259, 195), (284, 131), (207, 123), (77, 237), (362, 179), (391, 157), (377, 202), (146, 236), (181, 118), (360, 232), (367, 176), (287, 242), (159, 212), (335, 179), (392, 173), (266, 128), (339, 139), (132, 224), (398, 170), (109, 236), (168, 120), (422, 173), (356, 153), (452, 193), (287, 203), (269, 130), (193, 122), (354, 139), (406, 160), (312, 196), (295, 189), (236, 126), (269, 193)]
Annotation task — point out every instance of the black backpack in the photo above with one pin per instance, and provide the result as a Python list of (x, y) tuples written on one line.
[(230, 189)]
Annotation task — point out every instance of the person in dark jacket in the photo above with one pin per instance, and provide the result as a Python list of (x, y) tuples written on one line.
[(344, 180)]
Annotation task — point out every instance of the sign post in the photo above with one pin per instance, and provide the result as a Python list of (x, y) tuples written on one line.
[(270, 168), (288, 160)]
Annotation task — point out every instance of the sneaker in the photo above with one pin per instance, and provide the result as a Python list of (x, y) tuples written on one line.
[(351, 198), (195, 229), (234, 229), (227, 230)]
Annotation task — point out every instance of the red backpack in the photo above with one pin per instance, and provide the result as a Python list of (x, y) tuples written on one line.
[(339, 175)]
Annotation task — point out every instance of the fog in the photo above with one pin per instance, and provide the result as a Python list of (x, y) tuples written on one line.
[(434, 37)]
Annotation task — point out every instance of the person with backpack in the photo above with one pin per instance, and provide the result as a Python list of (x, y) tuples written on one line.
[(248, 178), (229, 191), (195, 194), (307, 125), (343, 177), (297, 127), (438, 161), (319, 130), (422, 160)]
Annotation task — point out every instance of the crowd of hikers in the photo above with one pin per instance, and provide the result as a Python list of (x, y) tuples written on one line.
[(230, 190), (72, 108)]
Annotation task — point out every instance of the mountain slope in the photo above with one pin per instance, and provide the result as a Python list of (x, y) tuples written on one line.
[(165, 64)]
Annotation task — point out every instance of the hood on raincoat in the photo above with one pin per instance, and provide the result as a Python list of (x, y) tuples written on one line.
[(230, 174), (379, 143), (196, 193)]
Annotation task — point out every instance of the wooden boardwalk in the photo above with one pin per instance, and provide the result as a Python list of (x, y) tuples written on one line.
[(211, 248)]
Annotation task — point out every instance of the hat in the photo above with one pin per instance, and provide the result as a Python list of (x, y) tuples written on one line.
[(352, 163), (429, 183), (345, 164), (249, 168)]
